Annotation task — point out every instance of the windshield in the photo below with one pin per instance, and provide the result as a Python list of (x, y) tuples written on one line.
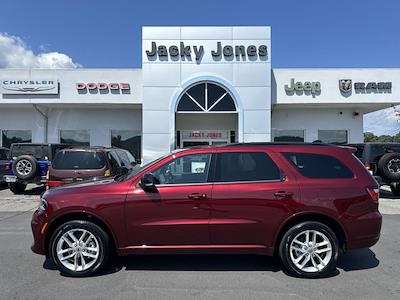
[(79, 160), (136, 169)]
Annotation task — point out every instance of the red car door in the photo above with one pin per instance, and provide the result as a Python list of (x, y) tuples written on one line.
[(250, 199), (178, 212)]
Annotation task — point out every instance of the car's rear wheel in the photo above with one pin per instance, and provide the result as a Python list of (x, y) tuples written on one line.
[(79, 248), (17, 187), (309, 249), (389, 165)]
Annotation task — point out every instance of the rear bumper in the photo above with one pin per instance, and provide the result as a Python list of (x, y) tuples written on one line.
[(13, 179), (365, 232)]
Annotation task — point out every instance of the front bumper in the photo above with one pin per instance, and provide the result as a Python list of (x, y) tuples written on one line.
[(39, 227)]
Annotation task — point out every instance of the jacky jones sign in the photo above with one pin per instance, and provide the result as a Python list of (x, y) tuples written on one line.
[(184, 51)]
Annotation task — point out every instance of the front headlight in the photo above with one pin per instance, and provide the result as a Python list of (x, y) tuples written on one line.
[(42, 205)]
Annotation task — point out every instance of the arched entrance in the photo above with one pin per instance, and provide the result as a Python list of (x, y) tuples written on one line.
[(206, 114)]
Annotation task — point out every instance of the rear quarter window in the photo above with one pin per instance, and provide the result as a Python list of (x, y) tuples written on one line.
[(40, 152), (78, 160), (314, 165)]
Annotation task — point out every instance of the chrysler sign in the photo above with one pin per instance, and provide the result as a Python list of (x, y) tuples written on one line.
[(29, 86)]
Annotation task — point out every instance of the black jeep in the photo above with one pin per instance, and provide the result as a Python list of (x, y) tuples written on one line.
[(28, 163), (383, 162)]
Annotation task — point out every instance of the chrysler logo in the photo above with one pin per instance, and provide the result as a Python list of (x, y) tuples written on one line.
[(345, 85), (11, 86)]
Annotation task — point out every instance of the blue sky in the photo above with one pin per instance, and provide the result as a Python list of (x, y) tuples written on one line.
[(94, 34), (305, 33)]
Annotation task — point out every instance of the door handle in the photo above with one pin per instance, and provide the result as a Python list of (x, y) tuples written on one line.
[(283, 194), (197, 196)]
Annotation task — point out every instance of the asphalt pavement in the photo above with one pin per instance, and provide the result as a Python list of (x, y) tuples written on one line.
[(363, 274)]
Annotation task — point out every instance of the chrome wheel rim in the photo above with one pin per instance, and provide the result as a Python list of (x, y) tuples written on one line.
[(310, 251), (78, 250), (24, 167), (394, 165)]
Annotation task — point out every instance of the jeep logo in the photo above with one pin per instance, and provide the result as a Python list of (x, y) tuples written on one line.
[(308, 87)]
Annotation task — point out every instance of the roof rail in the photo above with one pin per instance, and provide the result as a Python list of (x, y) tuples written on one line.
[(279, 144)]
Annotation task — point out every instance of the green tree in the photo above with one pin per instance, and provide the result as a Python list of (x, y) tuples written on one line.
[(370, 137)]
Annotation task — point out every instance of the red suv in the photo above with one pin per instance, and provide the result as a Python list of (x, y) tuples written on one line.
[(302, 202)]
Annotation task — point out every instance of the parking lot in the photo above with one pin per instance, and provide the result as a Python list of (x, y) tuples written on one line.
[(364, 274)]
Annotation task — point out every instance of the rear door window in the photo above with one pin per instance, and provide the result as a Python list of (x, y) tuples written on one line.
[(314, 165), (79, 160), (245, 166)]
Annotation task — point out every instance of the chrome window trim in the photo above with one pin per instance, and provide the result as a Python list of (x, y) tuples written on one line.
[(223, 182)]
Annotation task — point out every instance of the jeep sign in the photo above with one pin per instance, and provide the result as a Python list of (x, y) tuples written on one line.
[(299, 87)]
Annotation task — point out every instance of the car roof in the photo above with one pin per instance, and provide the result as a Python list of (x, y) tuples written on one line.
[(39, 144), (91, 148)]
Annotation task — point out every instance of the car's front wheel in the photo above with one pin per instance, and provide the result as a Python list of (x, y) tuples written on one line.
[(79, 248), (309, 249)]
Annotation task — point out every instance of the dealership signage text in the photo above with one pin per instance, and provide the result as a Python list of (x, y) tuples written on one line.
[(345, 86), (29, 86), (311, 87), (185, 51), (94, 87)]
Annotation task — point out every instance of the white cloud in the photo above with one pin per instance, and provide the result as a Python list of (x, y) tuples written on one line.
[(384, 121), (14, 53)]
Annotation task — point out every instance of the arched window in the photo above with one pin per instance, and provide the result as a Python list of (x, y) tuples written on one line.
[(206, 97)]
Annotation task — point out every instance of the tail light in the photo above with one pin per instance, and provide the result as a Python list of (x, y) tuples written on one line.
[(7, 167), (107, 173), (54, 183), (367, 166), (374, 193)]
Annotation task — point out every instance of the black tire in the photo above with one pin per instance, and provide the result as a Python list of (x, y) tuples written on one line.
[(33, 164), (395, 188), (17, 187), (291, 234), (99, 234), (389, 166)]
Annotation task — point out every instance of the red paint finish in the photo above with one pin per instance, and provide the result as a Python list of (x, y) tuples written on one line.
[(240, 217)]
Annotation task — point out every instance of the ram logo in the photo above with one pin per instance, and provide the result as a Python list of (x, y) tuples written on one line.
[(345, 85)]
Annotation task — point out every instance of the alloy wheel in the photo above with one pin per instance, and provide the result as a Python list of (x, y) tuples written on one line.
[(310, 251), (24, 167), (78, 249)]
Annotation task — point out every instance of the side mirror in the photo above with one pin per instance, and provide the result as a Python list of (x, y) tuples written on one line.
[(148, 182)]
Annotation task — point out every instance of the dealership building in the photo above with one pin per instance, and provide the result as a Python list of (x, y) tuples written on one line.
[(197, 85)]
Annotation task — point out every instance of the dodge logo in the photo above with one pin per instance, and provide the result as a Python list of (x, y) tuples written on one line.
[(345, 85)]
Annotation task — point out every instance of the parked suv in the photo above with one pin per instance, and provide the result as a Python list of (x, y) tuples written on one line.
[(302, 202), (78, 164), (383, 162), (28, 163), (3, 163)]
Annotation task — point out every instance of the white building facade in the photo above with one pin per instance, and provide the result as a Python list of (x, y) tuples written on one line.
[(197, 85)]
